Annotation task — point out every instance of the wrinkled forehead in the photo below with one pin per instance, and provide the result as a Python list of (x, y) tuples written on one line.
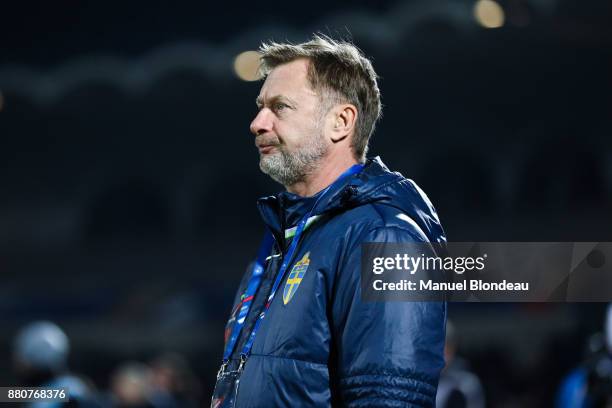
[(289, 79)]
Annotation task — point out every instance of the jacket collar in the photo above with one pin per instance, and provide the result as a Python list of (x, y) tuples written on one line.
[(284, 210)]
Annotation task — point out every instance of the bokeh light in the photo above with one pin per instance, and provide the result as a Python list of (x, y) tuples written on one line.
[(489, 14), (246, 66)]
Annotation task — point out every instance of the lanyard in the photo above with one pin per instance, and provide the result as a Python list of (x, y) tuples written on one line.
[(247, 298), (257, 272)]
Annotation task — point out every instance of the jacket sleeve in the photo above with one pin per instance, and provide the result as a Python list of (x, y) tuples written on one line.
[(388, 354)]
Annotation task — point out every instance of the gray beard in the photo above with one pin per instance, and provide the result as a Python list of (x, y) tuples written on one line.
[(288, 169)]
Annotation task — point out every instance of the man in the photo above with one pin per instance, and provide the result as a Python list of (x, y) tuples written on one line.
[(458, 386), (300, 334), (40, 359)]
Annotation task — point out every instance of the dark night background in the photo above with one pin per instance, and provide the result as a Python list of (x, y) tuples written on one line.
[(128, 176)]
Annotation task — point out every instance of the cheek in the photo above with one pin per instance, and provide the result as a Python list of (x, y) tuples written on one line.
[(295, 132), (289, 132)]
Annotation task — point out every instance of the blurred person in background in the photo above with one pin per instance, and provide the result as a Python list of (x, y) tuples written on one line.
[(590, 384), (458, 387), (173, 383), (40, 357), (317, 343), (130, 386)]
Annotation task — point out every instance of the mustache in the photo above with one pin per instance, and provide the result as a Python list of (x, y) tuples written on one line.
[(266, 141)]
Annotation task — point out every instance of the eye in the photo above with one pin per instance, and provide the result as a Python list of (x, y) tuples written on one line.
[(279, 106)]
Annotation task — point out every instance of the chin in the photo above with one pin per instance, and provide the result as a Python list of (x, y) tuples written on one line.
[(265, 165)]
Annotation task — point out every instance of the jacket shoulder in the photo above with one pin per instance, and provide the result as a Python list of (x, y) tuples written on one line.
[(378, 217)]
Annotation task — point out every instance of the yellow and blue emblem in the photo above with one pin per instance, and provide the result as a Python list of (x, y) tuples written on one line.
[(295, 277)]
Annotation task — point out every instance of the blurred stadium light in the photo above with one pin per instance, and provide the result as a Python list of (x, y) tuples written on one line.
[(246, 66), (489, 14)]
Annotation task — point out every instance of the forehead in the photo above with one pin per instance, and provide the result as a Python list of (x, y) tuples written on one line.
[(290, 79)]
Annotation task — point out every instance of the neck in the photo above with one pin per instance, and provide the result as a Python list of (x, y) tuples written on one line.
[(327, 171)]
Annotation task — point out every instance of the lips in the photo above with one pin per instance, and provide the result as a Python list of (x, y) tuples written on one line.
[(265, 146), (265, 149)]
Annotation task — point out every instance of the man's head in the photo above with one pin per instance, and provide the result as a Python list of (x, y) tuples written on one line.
[(319, 98), (40, 350)]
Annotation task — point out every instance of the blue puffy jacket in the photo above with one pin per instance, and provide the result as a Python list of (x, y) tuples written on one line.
[(320, 345)]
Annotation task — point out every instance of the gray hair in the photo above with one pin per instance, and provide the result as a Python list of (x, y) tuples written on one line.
[(341, 73)]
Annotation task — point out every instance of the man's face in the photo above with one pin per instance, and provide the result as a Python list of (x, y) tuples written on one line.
[(289, 126)]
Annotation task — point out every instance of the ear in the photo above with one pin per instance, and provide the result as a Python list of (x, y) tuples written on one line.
[(344, 119)]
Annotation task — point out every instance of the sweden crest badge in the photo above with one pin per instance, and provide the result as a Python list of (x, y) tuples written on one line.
[(295, 278)]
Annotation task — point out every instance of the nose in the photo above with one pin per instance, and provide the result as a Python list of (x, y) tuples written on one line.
[(262, 123)]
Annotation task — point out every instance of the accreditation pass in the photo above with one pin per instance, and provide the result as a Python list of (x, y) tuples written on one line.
[(33, 394)]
